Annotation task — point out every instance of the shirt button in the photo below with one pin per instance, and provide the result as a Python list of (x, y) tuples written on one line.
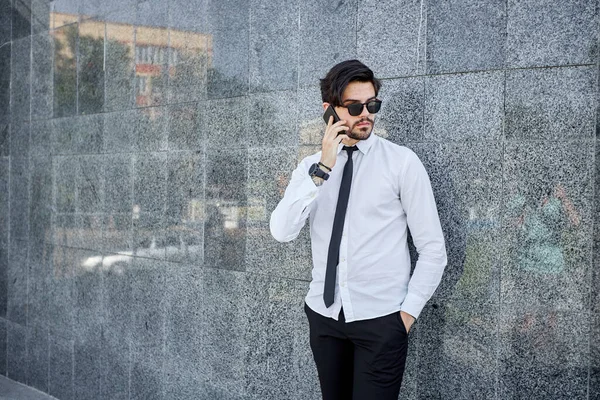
[(343, 260)]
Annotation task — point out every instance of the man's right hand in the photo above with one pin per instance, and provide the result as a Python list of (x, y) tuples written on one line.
[(331, 140)]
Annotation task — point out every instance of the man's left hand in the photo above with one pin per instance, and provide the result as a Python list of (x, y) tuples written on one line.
[(407, 319)]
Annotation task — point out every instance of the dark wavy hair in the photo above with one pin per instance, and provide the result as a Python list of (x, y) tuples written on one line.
[(338, 77)]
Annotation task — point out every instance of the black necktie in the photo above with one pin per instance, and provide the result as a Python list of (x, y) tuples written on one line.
[(338, 227)]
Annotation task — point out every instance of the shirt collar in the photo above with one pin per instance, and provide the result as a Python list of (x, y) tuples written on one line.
[(363, 145)]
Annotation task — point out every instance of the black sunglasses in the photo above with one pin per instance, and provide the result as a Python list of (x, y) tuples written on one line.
[(355, 109)]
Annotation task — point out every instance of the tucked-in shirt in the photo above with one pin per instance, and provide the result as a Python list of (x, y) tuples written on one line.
[(390, 192)]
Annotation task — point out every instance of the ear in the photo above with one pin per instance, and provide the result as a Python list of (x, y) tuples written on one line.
[(325, 105)]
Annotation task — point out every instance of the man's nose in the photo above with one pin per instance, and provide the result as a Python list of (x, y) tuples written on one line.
[(365, 112)]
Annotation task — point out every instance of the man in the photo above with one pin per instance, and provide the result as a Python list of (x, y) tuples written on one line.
[(360, 193)]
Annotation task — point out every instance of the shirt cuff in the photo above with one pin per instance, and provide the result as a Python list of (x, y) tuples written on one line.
[(413, 304)]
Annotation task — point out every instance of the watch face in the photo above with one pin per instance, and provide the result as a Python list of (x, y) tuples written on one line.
[(313, 168)]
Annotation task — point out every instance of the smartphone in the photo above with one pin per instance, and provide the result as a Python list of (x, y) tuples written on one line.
[(328, 113)]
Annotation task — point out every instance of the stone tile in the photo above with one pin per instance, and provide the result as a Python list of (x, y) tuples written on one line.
[(42, 82), (152, 50), (118, 133), (189, 15), (115, 357), (87, 367), (311, 126), (42, 138), (185, 207), (184, 129), (17, 367), (117, 234), (595, 298), (37, 358), (401, 117), (223, 328), (333, 42), (40, 16), (547, 225), (264, 254), (225, 122), (65, 71), (146, 381), (274, 42), (90, 185), (4, 138), (225, 223), (5, 72), (4, 201), (21, 19), (467, 184), (544, 354), (39, 280), (551, 104), (66, 173), (60, 300), (390, 37), (150, 129), (3, 345), (3, 283), (119, 66), (595, 357), (273, 119), (227, 76), (544, 33), (19, 139), (40, 205), (149, 235), (64, 12), (60, 382), (17, 283), (184, 347), (117, 299), (465, 35), (149, 183), (462, 107), (79, 135), (90, 82), (117, 227), (5, 21), (457, 351), (19, 198), (189, 60), (87, 297)]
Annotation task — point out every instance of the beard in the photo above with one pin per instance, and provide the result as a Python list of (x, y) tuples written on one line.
[(363, 132)]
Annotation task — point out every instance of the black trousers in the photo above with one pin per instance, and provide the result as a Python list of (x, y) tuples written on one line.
[(361, 360)]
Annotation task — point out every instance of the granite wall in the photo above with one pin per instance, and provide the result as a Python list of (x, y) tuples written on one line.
[(143, 145)]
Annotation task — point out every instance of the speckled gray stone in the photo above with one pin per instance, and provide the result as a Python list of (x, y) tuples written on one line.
[(60, 382), (391, 36), (87, 297), (4, 138), (119, 64), (552, 104), (220, 129), (40, 16), (274, 41), (188, 70), (548, 187), (19, 198), (60, 290), (42, 137), (16, 355), (21, 19), (185, 207), (184, 129), (66, 172), (19, 139), (42, 81), (5, 57), (78, 135), (467, 184), (457, 351), (228, 72), (225, 223), (5, 21), (465, 35), (149, 129), (265, 189), (115, 358), (65, 73), (3, 283), (545, 33), (4, 201), (37, 358), (149, 183), (595, 357), (462, 107), (40, 207), (273, 119), (87, 367), (311, 126), (3, 343), (90, 68), (401, 116), (544, 354), (333, 42), (17, 282)]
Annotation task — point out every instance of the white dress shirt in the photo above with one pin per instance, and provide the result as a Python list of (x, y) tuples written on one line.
[(390, 191)]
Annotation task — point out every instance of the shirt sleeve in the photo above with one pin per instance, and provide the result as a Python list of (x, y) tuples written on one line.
[(290, 215), (424, 224)]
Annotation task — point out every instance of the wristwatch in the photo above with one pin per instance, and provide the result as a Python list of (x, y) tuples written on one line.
[(316, 171)]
